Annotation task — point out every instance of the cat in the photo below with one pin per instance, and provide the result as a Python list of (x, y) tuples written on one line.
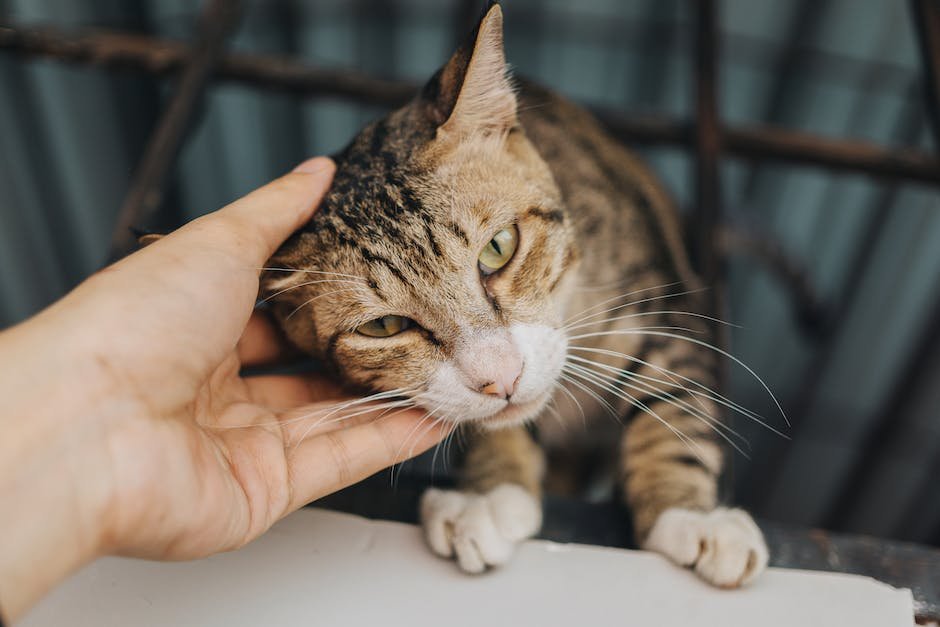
[(490, 253)]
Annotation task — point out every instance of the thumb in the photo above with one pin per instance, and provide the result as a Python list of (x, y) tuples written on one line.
[(261, 221)]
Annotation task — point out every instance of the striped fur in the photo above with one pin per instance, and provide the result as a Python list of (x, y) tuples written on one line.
[(413, 203)]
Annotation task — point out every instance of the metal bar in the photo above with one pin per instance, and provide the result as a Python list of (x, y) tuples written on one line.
[(147, 186), (465, 15), (809, 312), (917, 375), (926, 17), (165, 57), (706, 215), (836, 154), (909, 127), (765, 473), (788, 69), (922, 511), (664, 34), (708, 145)]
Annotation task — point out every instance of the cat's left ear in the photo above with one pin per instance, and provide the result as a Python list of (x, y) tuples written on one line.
[(473, 93)]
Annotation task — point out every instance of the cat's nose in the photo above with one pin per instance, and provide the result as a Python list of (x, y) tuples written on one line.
[(490, 363), (505, 383)]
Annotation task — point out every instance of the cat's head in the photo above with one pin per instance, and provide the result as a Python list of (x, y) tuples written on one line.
[(438, 260)]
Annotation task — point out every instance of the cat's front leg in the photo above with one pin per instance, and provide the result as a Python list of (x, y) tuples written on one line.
[(671, 486), (497, 506)]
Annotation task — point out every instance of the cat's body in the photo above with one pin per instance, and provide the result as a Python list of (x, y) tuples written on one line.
[(582, 284)]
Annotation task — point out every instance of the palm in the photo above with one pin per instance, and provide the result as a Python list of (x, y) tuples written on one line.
[(201, 459), (244, 452)]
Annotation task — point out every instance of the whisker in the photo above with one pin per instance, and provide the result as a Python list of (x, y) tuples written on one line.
[(709, 392), (607, 406), (654, 313), (403, 392), (307, 302), (538, 105), (437, 447), (694, 447), (276, 423), (366, 410), (650, 328), (700, 343), (349, 276), (576, 402), (355, 405), (443, 444), (631, 304), (449, 440), (608, 285), (624, 295), (304, 284), (623, 371), (664, 396), (392, 477), (550, 407), (414, 431)]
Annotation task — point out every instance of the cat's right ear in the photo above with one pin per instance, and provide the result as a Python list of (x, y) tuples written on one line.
[(473, 93)]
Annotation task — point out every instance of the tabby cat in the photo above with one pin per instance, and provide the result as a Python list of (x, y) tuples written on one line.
[(490, 253)]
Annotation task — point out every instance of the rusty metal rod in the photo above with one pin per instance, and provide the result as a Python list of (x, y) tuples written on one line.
[(708, 145), (863, 470), (926, 17), (708, 141), (165, 57), (795, 147), (148, 184)]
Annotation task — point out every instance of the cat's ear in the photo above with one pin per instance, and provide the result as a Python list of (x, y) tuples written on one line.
[(473, 93)]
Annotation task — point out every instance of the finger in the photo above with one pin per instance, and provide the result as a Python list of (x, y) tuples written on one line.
[(211, 264), (262, 343), (339, 412), (324, 464), (254, 226), (293, 393)]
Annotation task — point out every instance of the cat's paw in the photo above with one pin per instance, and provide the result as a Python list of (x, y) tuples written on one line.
[(480, 530), (725, 547)]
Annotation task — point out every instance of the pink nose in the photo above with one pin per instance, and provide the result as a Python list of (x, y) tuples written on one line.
[(505, 384), (489, 362)]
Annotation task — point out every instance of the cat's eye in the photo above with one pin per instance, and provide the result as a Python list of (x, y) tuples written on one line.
[(386, 326), (499, 250)]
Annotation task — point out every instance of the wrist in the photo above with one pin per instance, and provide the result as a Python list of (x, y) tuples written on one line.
[(54, 477)]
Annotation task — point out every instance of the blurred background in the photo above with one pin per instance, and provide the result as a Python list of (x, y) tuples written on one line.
[(862, 390)]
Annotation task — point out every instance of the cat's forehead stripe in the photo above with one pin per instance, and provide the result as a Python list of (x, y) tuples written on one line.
[(553, 215)]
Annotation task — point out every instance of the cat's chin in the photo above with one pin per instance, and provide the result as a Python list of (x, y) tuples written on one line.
[(515, 414)]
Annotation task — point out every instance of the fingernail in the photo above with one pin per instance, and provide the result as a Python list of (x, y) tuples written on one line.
[(316, 165)]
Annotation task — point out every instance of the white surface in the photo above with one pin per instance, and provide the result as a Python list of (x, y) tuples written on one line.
[(324, 568)]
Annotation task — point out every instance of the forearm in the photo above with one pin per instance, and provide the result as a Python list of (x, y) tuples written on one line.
[(49, 524)]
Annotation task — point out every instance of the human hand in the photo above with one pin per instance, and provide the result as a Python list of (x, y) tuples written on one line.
[(161, 449)]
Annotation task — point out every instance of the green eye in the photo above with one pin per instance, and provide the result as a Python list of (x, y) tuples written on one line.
[(386, 326), (499, 250)]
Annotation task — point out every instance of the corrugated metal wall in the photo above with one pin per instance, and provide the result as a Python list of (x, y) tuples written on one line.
[(866, 442)]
